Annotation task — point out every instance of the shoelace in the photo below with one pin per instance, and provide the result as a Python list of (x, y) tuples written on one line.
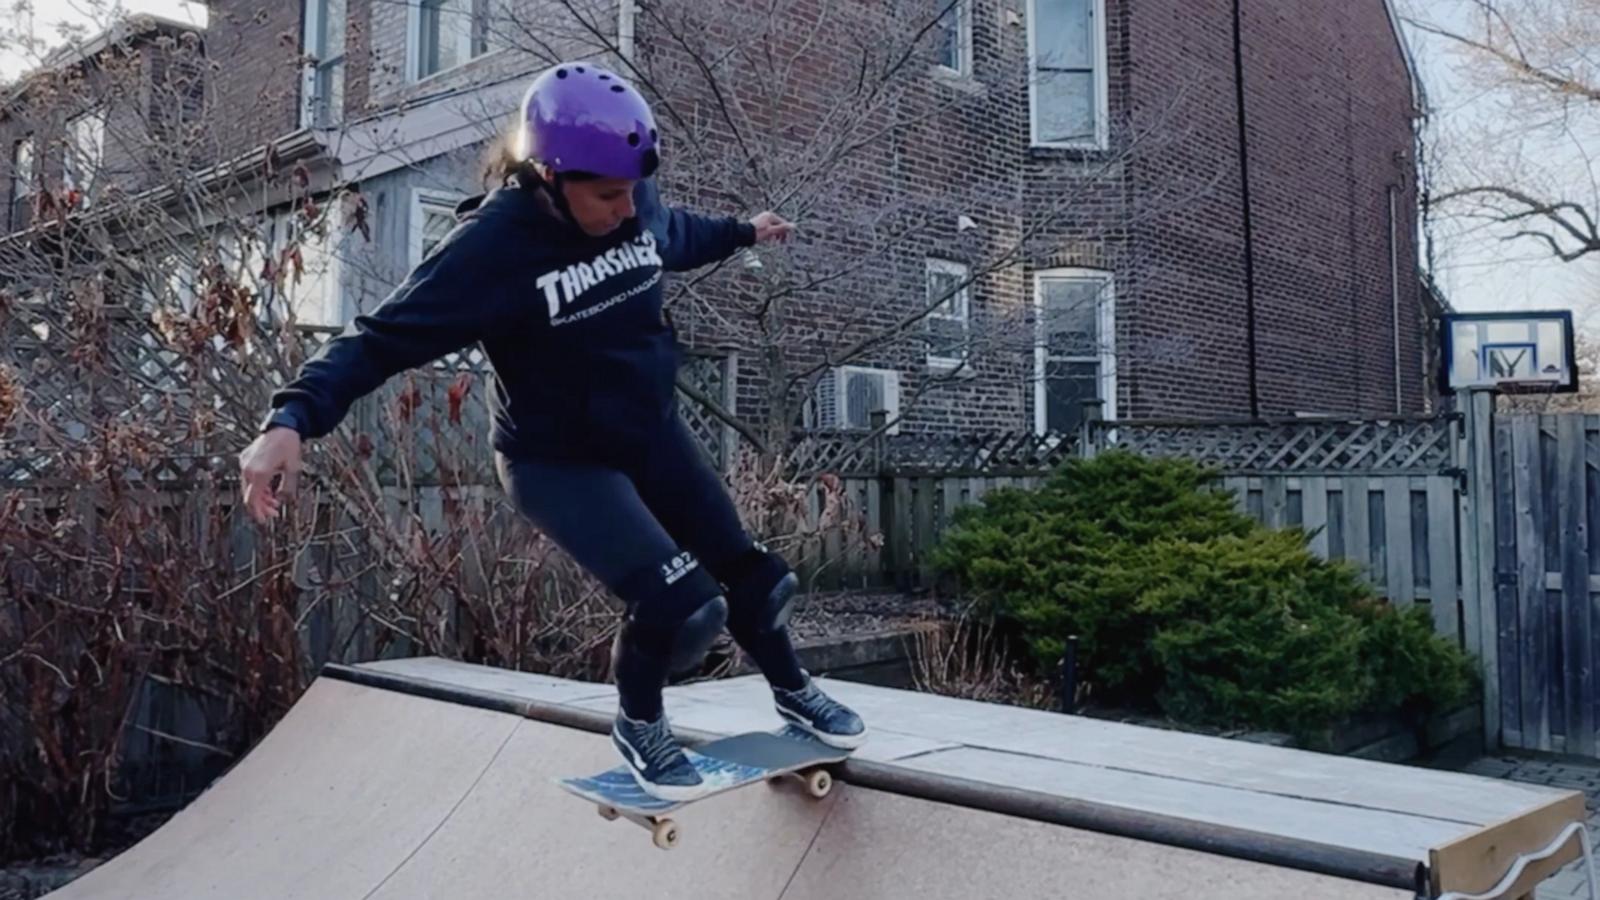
[(655, 742), (819, 703)]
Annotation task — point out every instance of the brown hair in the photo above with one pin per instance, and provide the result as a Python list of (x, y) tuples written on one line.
[(501, 166)]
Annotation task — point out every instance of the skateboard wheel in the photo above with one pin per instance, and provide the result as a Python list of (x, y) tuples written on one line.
[(609, 813), (819, 783), (665, 834)]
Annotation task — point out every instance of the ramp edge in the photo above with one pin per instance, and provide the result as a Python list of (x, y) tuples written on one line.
[(1219, 840)]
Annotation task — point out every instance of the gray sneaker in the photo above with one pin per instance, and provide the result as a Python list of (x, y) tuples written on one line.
[(830, 721), (656, 760)]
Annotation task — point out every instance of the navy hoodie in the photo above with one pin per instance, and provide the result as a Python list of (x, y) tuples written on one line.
[(573, 326)]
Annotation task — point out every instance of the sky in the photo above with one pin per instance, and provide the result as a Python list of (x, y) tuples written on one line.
[(1481, 270), (1477, 270)]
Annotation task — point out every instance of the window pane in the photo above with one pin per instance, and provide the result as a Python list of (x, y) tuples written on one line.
[(1064, 106), (947, 338), (85, 150), (436, 50), (947, 35), (1063, 34), (480, 27), (328, 104), (23, 166), (941, 283), (1071, 314), (315, 297), (331, 40), (436, 223), (1066, 387)]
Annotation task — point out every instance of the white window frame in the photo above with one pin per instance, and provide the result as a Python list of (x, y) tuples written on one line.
[(310, 38), (414, 71), (961, 304), (422, 199), (1106, 320), (75, 155), (1102, 98), (963, 67)]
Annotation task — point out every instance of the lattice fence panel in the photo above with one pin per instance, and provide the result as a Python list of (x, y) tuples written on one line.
[(1311, 446)]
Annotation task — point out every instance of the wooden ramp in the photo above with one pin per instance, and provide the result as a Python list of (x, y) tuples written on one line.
[(430, 779)]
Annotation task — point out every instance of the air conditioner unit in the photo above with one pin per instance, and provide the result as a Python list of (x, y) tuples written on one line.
[(848, 395)]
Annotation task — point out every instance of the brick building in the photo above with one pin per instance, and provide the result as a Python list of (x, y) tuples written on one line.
[(1147, 205), (99, 119)]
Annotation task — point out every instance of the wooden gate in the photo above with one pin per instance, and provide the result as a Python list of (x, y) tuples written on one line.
[(1540, 520)]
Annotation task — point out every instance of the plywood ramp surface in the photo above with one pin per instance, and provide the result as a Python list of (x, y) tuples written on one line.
[(366, 794)]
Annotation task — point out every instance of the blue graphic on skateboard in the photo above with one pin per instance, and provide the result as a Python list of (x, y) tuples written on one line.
[(725, 764)]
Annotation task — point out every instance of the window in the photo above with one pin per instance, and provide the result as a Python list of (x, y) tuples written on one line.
[(627, 17), (315, 298), (433, 214), (85, 153), (1075, 358), (171, 281), (953, 36), (847, 396), (1067, 87), (447, 33), (948, 324), (22, 180), (322, 91), (22, 167)]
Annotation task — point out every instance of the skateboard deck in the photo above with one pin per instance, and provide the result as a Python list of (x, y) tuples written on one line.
[(726, 764)]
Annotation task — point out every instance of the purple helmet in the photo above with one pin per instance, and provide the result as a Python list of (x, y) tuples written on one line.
[(579, 117)]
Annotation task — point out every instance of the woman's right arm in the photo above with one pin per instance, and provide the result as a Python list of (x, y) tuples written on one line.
[(450, 301), (447, 303)]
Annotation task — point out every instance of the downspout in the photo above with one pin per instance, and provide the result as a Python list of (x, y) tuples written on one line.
[(1394, 290), (1249, 220)]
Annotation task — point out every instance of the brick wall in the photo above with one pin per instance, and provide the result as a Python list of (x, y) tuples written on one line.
[(521, 35), (1327, 103), (254, 48), (1160, 208)]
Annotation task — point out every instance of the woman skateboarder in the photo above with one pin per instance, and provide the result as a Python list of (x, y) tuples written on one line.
[(557, 274)]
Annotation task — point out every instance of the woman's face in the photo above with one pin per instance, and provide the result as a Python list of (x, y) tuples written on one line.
[(600, 205)]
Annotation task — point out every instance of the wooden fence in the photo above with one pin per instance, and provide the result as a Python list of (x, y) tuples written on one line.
[(1383, 495)]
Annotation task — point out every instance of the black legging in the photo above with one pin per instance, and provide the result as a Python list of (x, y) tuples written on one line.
[(618, 518)]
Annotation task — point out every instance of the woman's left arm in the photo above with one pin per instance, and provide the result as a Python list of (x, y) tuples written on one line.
[(693, 240)]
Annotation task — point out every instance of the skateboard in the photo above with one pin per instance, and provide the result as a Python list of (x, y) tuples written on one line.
[(726, 764)]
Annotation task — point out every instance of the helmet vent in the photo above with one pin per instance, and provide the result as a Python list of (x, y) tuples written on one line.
[(604, 77), (617, 88), (561, 73), (580, 70), (633, 139)]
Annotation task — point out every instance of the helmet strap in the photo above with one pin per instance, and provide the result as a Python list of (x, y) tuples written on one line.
[(558, 197)]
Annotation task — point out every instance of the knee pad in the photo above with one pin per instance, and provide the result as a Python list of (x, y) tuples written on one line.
[(675, 612), (761, 592)]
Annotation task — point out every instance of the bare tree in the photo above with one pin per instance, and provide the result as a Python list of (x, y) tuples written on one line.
[(1525, 167), (154, 296)]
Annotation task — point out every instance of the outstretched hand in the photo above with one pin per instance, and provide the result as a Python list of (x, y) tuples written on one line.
[(771, 227), (274, 454)]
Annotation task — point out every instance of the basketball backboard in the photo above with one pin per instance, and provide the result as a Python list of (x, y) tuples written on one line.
[(1514, 352)]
